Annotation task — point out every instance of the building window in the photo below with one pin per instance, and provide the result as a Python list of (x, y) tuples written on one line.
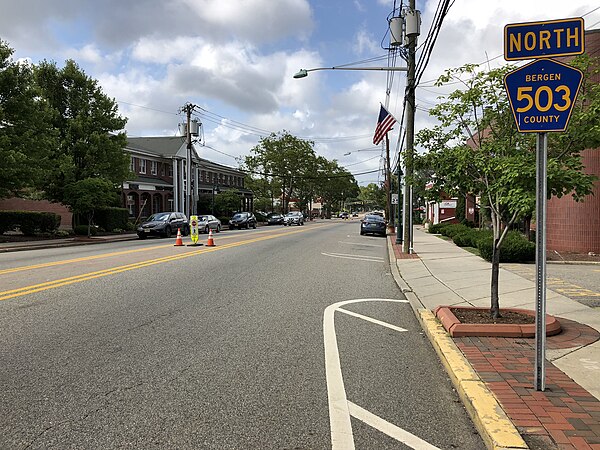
[(153, 167), (209, 177), (142, 166), (170, 170), (202, 176), (132, 164)]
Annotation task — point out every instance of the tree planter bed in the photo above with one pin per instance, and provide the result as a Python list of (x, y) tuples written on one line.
[(456, 328)]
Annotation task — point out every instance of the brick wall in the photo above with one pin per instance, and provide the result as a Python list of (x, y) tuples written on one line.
[(573, 226), (20, 204)]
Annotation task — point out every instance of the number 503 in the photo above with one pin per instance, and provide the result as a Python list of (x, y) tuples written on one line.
[(526, 93)]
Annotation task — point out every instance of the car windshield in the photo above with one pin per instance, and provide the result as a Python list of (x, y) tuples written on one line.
[(159, 217), (240, 216), (202, 219), (374, 218)]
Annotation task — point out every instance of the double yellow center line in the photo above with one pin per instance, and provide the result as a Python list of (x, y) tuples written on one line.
[(5, 295)]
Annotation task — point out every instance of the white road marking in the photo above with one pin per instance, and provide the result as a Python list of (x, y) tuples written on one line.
[(370, 319), (360, 243), (339, 416), (389, 428), (339, 413), (355, 257)]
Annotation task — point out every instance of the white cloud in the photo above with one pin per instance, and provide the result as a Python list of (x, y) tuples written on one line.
[(255, 20), (237, 59), (365, 43)]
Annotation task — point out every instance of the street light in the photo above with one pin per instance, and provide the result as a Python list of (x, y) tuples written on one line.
[(369, 149), (304, 72)]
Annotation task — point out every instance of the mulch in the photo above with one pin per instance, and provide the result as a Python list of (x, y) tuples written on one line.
[(478, 316)]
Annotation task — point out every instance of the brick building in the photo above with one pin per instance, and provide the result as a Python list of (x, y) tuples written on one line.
[(159, 185), (573, 226)]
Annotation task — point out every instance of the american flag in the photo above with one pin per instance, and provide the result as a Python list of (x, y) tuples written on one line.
[(384, 124)]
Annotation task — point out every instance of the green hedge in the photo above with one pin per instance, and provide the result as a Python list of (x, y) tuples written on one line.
[(111, 219), (437, 228), (29, 222), (82, 230), (515, 248), (470, 237), (454, 229)]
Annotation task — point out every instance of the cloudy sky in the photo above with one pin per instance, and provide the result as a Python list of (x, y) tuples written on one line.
[(235, 60)]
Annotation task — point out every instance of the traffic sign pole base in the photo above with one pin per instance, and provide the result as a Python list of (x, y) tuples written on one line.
[(195, 245)]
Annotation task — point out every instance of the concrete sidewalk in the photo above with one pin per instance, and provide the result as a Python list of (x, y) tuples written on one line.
[(445, 274)]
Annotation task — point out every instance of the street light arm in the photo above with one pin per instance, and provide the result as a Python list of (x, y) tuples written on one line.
[(304, 72)]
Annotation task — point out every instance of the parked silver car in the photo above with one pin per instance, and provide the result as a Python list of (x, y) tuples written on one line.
[(207, 223), (293, 217)]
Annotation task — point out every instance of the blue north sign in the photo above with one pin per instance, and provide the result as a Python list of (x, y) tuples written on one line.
[(544, 39), (542, 95)]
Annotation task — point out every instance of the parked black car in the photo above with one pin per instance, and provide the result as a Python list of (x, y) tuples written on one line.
[(164, 224), (275, 219), (374, 224), (242, 220)]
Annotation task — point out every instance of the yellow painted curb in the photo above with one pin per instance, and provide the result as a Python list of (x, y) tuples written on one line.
[(494, 426)]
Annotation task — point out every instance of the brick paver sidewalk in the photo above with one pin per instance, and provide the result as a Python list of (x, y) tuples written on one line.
[(565, 415), (398, 249)]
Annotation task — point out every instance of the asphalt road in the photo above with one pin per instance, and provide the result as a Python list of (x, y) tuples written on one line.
[(141, 344)]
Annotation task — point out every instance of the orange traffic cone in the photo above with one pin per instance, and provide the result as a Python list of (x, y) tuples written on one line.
[(210, 242), (178, 241)]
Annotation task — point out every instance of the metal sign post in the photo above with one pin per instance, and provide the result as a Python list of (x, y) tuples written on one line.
[(542, 94), (541, 198)]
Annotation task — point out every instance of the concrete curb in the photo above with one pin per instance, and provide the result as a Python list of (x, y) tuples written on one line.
[(494, 426), (41, 245)]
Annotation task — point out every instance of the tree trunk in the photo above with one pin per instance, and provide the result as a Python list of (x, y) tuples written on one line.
[(89, 217), (495, 307), (528, 227)]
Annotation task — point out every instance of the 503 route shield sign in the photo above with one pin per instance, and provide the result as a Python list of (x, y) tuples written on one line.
[(542, 95)]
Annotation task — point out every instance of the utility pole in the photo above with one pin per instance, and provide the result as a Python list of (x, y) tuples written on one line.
[(411, 33), (188, 208), (188, 161), (388, 182)]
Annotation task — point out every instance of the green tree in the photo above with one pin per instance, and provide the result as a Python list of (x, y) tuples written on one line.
[(87, 195), (477, 149), (91, 141), (372, 196), (335, 185), (26, 135), (226, 203), (281, 160)]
